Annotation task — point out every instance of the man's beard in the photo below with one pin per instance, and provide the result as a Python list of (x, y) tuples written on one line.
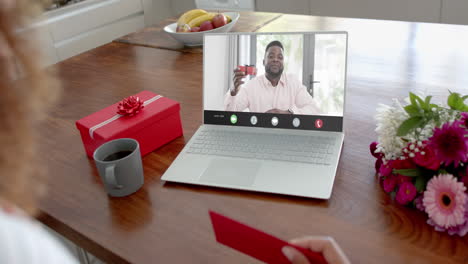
[(274, 74)]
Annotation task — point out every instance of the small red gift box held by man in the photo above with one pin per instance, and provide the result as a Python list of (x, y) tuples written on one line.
[(248, 69), (153, 120)]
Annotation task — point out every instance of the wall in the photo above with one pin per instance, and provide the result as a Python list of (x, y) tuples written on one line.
[(180, 6), (214, 72), (67, 35), (281, 6), (406, 10), (435, 11), (454, 12), (156, 10)]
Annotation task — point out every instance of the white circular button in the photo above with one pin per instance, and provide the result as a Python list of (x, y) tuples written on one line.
[(253, 120), (296, 122), (274, 121)]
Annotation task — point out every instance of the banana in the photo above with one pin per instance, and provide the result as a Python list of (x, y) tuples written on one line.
[(190, 15), (196, 22), (229, 19)]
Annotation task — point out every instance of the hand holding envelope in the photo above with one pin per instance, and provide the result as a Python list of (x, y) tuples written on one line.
[(325, 245), (272, 250)]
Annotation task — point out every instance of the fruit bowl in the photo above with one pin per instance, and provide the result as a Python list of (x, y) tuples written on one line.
[(196, 38)]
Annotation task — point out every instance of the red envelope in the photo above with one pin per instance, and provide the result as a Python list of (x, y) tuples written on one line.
[(255, 243)]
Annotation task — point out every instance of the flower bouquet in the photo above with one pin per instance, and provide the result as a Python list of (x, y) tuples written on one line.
[(422, 158)]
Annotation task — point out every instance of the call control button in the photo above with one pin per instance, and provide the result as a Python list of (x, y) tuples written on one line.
[(318, 123), (296, 122), (274, 121), (253, 120), (233, 119)]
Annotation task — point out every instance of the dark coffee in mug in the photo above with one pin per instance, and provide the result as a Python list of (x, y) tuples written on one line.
[(119, 165), (118, 155)]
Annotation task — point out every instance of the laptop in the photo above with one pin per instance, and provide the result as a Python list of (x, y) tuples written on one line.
[(273, 107)]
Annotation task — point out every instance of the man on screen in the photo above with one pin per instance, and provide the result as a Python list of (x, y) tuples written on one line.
[(273, 92)]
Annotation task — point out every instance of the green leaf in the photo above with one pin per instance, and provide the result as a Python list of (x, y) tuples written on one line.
[(434, 106), (464, 108), (437, 120), (428, 99), (412, 98), (427, 103), (409, 124), (456, 102), (442, 171), (412, 110), (420, 183), (420, 101), (461, 104), (452, 100), (416, 172)]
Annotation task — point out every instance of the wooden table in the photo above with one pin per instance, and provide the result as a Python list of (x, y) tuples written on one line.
[(169, 223)]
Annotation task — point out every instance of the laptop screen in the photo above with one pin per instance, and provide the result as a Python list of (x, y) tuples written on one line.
[(275, 80)]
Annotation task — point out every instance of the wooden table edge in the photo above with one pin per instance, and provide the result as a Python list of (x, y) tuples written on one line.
[(79, 240)]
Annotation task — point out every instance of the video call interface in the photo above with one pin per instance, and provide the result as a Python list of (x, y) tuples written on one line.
[(277, 80)]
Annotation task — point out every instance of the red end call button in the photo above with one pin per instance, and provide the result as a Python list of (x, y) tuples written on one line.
[(318, 123)]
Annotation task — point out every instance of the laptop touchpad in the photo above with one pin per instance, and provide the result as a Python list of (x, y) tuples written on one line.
[(231, 172)]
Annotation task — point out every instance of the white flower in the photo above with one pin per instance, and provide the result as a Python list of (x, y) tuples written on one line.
[(389, 118)]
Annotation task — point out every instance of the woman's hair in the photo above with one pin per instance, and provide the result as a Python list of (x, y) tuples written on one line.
[(26, 90)]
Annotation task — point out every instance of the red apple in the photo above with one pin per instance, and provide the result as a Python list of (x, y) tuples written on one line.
[(207, 25), (195, 29), (219, 20)]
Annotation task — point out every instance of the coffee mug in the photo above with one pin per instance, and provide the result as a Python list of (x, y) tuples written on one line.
[(119, 165)]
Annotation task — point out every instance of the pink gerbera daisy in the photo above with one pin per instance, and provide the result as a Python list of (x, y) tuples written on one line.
[(460, 230), (444, 201), (450, 144)]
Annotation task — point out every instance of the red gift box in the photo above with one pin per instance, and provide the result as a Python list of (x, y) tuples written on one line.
[(156, 124), (248, 69)]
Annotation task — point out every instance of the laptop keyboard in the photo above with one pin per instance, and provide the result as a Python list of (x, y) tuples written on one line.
[(251, 145)]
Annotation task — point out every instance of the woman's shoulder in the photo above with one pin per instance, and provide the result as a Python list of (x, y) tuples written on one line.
[(22, 240)]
